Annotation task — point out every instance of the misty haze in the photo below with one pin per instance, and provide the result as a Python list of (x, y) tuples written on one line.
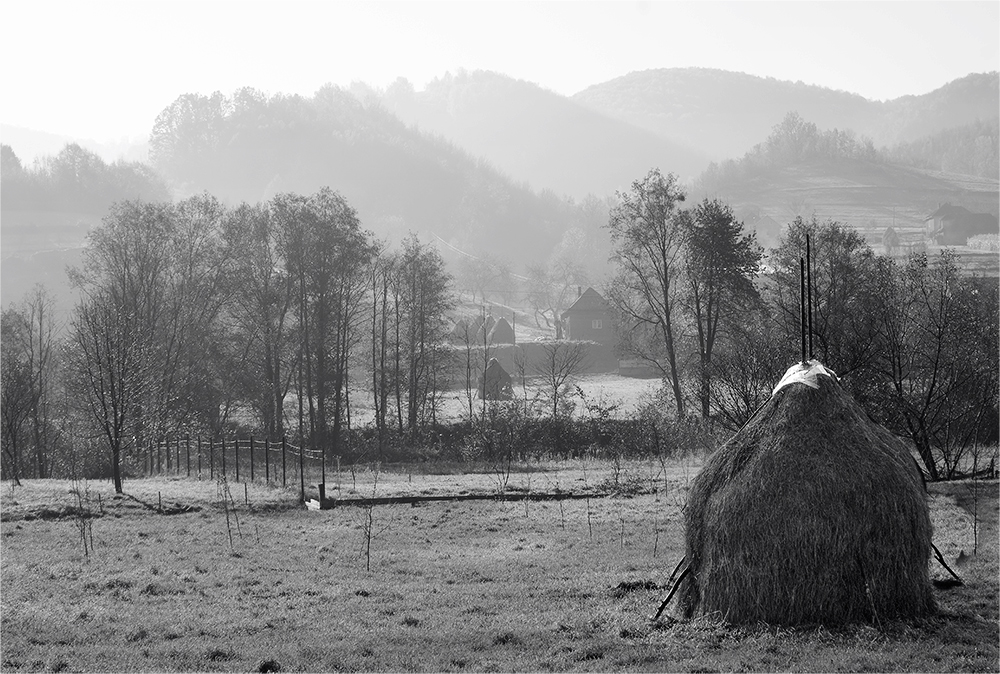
[(661, 361)]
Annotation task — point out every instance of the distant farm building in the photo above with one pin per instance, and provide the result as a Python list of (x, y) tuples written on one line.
[(953, 225), (483, 332), (501, 333), (495, 383), (589, 319)]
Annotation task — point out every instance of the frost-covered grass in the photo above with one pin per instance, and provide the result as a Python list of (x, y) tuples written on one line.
[(480, 586)]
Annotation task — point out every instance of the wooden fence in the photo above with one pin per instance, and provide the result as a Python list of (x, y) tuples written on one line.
[(241, 460)]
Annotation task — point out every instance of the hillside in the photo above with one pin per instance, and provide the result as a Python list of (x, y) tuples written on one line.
[(972, 149), (868, 196), (799, 170), (248, 147), (535, 135), (725, 113)]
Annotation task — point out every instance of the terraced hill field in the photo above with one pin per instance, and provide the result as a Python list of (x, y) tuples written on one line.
[(868, 196)]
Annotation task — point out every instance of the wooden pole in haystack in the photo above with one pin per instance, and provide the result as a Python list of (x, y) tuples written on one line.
[(809, 295), (802, 305)]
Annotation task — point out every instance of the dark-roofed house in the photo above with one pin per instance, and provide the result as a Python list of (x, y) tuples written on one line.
[(953, 225), (589, 319)]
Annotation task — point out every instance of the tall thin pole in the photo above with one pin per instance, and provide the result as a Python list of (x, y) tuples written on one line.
[(802, 304), (809, 294)]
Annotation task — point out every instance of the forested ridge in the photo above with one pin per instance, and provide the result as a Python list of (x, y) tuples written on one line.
[(249, 147), (75, 180)]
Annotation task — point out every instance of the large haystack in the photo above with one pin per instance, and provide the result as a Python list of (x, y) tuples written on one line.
[(812, 513)]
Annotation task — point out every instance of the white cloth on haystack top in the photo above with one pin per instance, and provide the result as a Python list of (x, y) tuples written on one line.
[(804, 373)]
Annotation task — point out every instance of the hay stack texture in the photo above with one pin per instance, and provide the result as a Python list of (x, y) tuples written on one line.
[(812, 513)]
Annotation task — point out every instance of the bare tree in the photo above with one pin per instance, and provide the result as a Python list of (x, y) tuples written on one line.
[(382, 271), (38, 311), (259, 310), (16, 390), (327, 257), (938, 353), (427, 296), (647, 233), (845, 331), (559, 363), (110, 369)]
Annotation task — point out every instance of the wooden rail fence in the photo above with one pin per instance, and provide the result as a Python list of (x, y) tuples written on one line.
[(235, 458)]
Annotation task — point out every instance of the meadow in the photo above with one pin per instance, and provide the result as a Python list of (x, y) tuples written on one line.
[(189, 575)]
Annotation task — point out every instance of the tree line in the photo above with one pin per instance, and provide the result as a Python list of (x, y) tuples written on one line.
[(193, 315), (915, 341), (76, 180), (288, 317)]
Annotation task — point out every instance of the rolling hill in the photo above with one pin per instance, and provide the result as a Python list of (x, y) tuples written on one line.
[(537, 136), (248, 147), (725, 113)]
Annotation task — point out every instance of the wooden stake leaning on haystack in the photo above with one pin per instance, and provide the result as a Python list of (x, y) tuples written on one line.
[(811, 513)]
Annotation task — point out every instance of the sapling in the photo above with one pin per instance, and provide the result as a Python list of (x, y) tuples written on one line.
[(975, 499), (590, 525), (229, 505), (83, 518), (368, 522)]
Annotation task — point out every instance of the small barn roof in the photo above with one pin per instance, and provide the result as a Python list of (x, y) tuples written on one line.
[(948, 211), (590, 300)]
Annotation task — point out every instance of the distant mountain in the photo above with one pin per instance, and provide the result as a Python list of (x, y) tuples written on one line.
[(248, 147), (538, 136), (958, 103), (725, 114)]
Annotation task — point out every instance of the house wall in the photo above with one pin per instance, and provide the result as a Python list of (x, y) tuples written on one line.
[(581, 327)]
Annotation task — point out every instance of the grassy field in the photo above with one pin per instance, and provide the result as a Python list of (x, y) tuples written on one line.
[(452, 586)]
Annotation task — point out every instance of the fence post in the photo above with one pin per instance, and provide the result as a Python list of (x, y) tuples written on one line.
[(302, 476), (236, 453), (211, 459), (251, 458), (223, 450), (283, 446)]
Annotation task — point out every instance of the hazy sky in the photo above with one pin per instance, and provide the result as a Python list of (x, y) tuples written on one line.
[(104, 70)]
